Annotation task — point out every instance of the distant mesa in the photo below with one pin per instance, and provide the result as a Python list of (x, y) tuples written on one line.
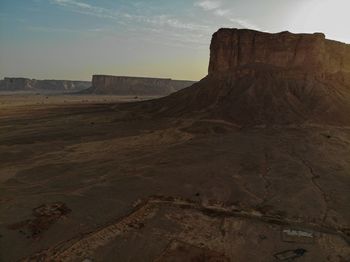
[(100, 85), (137, 86), (14, 84), (258, 78)]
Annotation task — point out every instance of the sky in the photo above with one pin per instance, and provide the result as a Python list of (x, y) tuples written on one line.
[(74, 39)]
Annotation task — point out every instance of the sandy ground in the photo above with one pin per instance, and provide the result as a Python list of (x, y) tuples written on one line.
[(13, 99), (82, 181)]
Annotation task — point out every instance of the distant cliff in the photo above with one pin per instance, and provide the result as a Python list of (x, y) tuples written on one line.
[(122, 85), (26, 84)]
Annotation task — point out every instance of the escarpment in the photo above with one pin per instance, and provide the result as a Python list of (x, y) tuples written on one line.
[(258, 78), (313, 53), (33, 85), (139, 86)]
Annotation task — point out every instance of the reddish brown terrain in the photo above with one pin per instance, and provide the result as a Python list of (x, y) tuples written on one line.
[(249, 164)]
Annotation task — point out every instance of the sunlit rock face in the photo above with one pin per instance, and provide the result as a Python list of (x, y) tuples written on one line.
[(232, 49), (122, 85), (257, 78)]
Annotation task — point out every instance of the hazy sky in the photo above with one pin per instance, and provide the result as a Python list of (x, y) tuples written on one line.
[(73, 39)]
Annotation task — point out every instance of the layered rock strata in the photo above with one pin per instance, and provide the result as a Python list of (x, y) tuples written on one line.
[(26, 84), (258, 78), (138, 86)]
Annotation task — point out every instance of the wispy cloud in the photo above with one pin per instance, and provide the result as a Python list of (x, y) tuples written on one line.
[(219, 9), (87, 9), (74, 3), (169, 27), (170, 21), (245, 23), (208, 4), (161, 20), (87, 31), (221, 12), (50, 29), (192, 41)]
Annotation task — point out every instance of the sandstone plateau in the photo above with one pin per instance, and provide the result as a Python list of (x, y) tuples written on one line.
[(33, 85), (258, 78), (138, 86)]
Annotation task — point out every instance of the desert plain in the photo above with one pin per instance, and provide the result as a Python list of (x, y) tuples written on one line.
[(88, 181)]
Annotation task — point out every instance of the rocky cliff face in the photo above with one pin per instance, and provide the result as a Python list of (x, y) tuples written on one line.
[(120, 85), (62, 85), (16, 84), (233, 48), (258, 78), (26, 84)]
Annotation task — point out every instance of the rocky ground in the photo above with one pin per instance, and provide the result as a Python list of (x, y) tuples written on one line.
[(88, 181)]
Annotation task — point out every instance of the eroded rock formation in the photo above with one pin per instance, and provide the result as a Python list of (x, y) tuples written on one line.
[(121, 85), (234, 48), (258, 78), (16, 84), (26, 84)]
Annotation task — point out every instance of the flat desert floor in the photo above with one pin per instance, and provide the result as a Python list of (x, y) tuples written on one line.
[(81, 180)]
